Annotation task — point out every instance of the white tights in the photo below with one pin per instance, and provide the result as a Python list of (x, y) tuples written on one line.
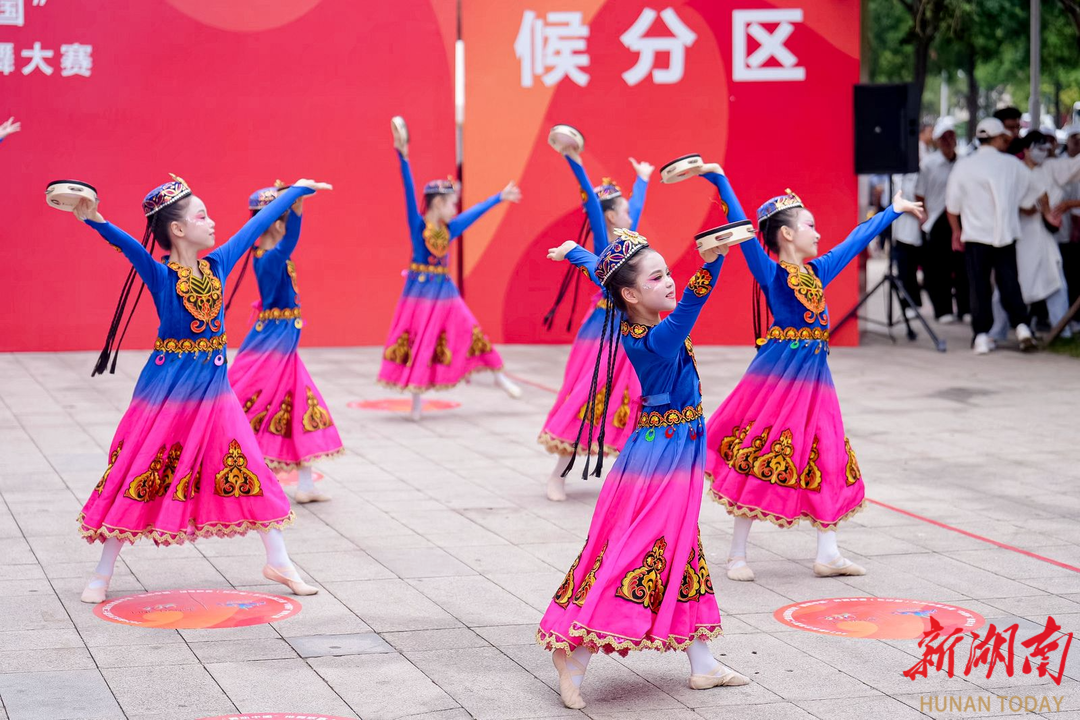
[(701, 659), (827, 549), (305, 482)]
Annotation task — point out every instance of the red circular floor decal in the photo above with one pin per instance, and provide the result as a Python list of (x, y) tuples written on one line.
[(403, 405), (197, 609), (875, 618), (289, 477), (276, 716)]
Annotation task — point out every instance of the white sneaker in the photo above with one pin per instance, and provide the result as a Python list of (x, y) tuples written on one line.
[(983, 344), (508, 386), (947, 319), (911, 313), (1026, 337)]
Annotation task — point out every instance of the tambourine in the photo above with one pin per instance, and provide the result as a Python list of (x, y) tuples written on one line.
[(730, 234), (66, 194), (564, 137), (400, 130), (681, 168)]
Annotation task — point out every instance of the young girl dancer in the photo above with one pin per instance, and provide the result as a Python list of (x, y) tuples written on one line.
[(777, 449), (286, 410), (641, 581), (184, 425), (435, 341), (607, 210)]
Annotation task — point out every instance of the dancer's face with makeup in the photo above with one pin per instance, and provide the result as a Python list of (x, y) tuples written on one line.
[(194, 228), (801, 239), (653, 291)]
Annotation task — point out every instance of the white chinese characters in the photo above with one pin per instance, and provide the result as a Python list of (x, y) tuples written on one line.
[(75, 60), (37, 58), (675, 45), (746, 24), (11, 12), (556, 47)]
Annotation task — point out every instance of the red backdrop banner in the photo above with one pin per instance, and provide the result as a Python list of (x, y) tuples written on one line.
[(230, 96), (765, 89)]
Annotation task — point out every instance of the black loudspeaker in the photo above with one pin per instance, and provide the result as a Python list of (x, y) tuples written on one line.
[(886, 129)]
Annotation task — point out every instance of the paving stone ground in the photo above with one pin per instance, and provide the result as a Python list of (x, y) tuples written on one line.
[(439, 553)]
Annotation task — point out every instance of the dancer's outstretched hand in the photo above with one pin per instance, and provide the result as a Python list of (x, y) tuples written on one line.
[(559, 253), (644, 170), (712, 167), (314, 185), (401, 136), (8, 127), (87, 209), (511, 193), (901, 205)]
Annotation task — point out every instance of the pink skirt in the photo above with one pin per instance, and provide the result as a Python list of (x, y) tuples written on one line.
[(777, 448), (641, 581), (624, 401), (183, 464), (435, 341), (286, 410)]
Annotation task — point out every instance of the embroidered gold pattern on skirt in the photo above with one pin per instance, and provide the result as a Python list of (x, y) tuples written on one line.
[(442, 354), (186, 488), (401, 351), (250, 403), (147, 486), (598, 408), (645, 585), (480, 344), (316, 417), (257, 421), (590, 579), (811, 475), (281, 423), (776, 466), (854, 474), (622, 415), (234, 479), (112, 461), (566, 590)]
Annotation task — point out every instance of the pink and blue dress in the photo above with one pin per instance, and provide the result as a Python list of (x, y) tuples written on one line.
[(287, 412), (777, 446), (562, 423), (435, 341), (184, 462), (642, 581)]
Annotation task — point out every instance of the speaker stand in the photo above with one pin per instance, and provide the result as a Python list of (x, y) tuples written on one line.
[(893, 289)]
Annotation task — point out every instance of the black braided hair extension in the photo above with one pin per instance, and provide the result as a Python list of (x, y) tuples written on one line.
[(607, 336), (571, 276), (611, 318), (240, 277), (111, 350)]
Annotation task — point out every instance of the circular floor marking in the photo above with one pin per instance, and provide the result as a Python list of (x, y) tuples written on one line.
[(403, 405), (191, 609), (289, 477), (875, 618)]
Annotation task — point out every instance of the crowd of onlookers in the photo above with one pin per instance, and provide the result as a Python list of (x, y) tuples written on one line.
[(1000, 247)]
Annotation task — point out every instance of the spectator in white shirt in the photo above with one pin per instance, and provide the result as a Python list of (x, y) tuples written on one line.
[(908, 247), (1038, 260), (982, 198), (1068, 209), (944, 272)]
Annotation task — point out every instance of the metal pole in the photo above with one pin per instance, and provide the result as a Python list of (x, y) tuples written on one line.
[(1036, 81)]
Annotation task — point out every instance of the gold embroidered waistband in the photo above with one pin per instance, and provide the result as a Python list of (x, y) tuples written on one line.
[(432, 269), (670, 417), (803, 333), (190, 345), (280, 314)]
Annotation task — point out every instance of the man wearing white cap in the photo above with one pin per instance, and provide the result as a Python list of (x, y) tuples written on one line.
[(944, 272), (1069, 210), (983, 196)]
